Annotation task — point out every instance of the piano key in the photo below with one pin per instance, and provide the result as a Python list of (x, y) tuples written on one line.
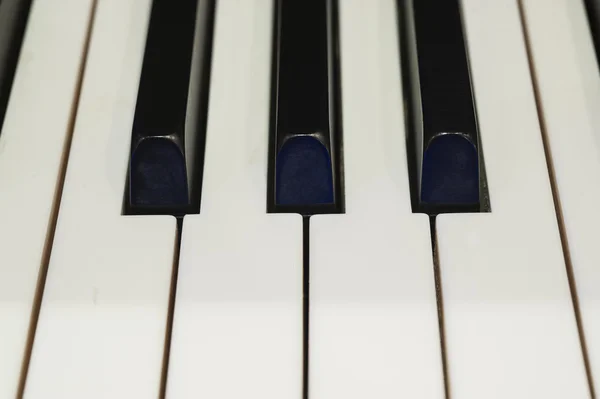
[(13, 19), (443, 125), (510, 329), (568, 84), (593, 21), (34, 136), (304, 113), (237, 323), (162, 176), (373, 327), (102, 322)]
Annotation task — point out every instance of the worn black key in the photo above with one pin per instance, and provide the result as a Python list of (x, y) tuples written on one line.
[(13, 20), (305, 130), (168, 130), (443, 133)]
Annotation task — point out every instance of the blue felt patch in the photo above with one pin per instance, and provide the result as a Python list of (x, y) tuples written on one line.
[(158, 174), (303, 173), (450, 173)]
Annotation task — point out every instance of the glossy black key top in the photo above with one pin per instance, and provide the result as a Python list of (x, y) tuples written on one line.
[(13, 20), (305, 131), (593, 14), (169, 125), (442, 124)]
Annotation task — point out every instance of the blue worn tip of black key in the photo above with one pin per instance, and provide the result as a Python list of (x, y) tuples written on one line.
[(450, 172), (158, 175), (303, 173)]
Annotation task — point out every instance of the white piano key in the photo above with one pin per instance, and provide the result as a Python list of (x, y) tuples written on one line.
[(569, 92), (510, 328), (32, 143), (237, 328), (102, 322), (373, 328)]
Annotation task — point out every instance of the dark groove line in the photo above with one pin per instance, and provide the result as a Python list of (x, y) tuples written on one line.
[(305, 301), (440, 304), (556, 199), (171, 311), (47, 252)]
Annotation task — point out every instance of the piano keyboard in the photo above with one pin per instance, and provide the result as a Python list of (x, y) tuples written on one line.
[(311, 199)]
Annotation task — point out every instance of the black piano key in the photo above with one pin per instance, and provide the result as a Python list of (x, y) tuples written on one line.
[(163, 173), (304, 176), (593, 14), (443, 126), (13, 20)]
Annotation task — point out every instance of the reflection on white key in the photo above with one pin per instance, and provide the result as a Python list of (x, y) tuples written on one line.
[(102, 321), (32, 141), (569, 87), (509, 321), (373, 317), (237, 329)]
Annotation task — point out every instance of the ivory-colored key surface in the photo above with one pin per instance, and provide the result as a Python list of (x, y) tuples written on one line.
[(568, 82), (32, 145), (510, 328), (373, 327), (102, 321), (237, 328)]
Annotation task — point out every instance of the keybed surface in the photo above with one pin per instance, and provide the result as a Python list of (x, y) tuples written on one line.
[(370, 294)]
